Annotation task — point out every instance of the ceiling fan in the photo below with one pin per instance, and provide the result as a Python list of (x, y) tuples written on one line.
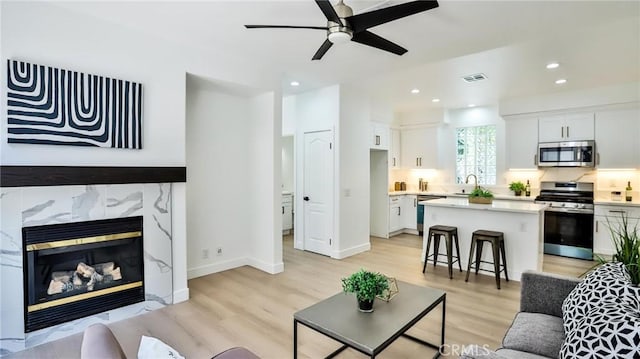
[(343, 26)]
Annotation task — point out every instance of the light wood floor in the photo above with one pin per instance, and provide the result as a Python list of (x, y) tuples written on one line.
[(247, 307)]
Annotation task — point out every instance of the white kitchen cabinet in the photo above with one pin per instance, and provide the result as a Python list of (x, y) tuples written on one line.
[(287, 213), (617, 134), (419, 147), (605, 215), (522, 142), (394, 150), (395, 213), (409, 212), (379, 136), (567, 127)]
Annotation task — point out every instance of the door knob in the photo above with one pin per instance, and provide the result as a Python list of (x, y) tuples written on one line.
[(306, 198)]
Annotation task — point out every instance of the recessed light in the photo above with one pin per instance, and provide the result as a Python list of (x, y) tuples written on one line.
[(471, 105), (295, 83), (561, 81), (435, 100), (552, 65), (414, 91)]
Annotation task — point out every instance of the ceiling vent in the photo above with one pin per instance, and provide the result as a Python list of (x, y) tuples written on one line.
[(475, 77)]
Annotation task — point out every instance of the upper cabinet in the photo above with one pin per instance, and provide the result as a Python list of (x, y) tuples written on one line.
[(521, 142), (617, 134), (379, 136), (419, 147), (569, 127), (394, 151)]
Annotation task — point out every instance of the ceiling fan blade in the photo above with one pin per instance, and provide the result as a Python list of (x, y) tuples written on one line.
[(370, 39), (328, 11), (285, 27), (326, 45), (373, 18)]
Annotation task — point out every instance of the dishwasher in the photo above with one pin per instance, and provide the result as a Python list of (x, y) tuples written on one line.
[(424, 197)]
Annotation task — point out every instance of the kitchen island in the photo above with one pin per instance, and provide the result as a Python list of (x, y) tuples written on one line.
[(521, 222)]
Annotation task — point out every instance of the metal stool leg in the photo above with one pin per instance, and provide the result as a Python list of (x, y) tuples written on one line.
[(458, 250), (436, 247), (449, 244), (495, 247), (473, 247), (479, 246), (504, 260), (426, 252)]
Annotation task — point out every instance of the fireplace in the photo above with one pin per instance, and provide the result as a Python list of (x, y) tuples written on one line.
[(78, 269)]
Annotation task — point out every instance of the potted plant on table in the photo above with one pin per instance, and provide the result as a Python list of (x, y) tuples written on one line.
[(517, 187), (481, 196), (366, 285)]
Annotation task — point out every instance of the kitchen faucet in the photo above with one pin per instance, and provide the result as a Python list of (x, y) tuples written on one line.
[(476, 181)]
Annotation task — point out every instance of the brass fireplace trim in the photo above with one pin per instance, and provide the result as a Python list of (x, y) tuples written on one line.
[(83, 296), (85, 240)]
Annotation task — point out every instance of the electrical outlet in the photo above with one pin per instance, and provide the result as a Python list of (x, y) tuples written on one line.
[(219, 251), (205, 254)]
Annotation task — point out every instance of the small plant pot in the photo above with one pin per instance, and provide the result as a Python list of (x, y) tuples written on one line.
[(518, 193), (365, 306), (480, 200)]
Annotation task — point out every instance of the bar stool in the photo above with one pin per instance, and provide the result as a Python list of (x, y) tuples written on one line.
[(496, 239), (450, 234)]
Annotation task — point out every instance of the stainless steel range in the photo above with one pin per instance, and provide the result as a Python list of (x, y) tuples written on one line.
[(568, 221)]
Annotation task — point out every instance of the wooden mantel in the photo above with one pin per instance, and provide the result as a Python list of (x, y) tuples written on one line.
[(26, 176)]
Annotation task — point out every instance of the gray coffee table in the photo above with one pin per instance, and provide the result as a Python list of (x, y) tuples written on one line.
[(370, 333)]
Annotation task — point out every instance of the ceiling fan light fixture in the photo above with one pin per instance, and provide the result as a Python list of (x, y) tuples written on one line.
[(339, 37)]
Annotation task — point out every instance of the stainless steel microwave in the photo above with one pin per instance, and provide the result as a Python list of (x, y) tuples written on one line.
[(567, 154)]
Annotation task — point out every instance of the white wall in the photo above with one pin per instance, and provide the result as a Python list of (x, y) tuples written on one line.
[(265, 119), (615, 94), (44, 34), (354, 175), (289, 115), (217, 177), (287, 163)]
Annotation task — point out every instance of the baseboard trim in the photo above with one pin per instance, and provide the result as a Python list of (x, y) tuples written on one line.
[(271, 268), (216, 267), (352, 251), (180, 295)]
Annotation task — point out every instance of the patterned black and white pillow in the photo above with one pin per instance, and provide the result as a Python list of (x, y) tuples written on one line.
[(611, 330), (606, 283)]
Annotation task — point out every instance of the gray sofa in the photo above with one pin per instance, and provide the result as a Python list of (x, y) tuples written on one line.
[(98, 342), (599, 315)]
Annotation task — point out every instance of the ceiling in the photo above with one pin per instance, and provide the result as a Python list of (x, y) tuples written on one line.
[(596, 43)]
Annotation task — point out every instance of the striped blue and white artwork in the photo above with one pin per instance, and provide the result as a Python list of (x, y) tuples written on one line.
[(52, 106)]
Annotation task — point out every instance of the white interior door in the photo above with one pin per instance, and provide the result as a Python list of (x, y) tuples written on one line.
[(318, 192)]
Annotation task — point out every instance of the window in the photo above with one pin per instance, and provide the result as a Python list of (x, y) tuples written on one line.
[(476, 154)]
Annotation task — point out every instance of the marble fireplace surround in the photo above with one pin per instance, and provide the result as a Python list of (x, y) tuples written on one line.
[(39, 205)]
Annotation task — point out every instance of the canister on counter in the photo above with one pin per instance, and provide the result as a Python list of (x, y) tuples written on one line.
[(403, 186), (396, 186)]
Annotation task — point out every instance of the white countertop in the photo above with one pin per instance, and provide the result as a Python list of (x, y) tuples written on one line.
[(497, 205), (634, 203), (457, 195)]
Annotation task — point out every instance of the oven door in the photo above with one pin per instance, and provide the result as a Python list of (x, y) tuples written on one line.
[(568, 233)]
